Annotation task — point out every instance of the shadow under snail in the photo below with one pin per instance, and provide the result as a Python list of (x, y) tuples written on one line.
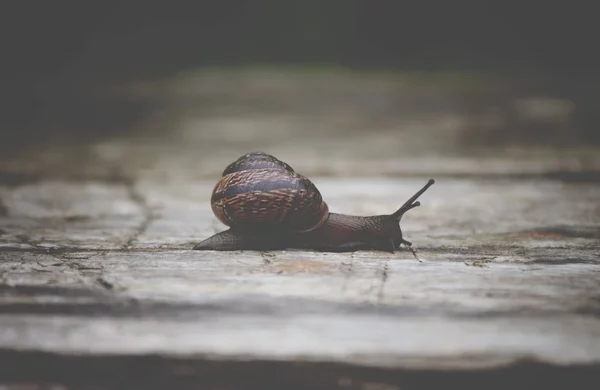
[(269, 206)]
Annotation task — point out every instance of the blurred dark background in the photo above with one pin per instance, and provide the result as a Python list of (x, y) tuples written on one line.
[(55, 52)]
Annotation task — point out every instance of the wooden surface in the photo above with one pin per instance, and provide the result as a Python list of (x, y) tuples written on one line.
[(96, 261)]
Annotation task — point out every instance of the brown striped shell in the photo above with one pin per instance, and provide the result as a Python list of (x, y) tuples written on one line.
[(259, 191)]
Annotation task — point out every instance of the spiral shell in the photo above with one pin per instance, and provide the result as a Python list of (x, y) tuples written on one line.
[(258, 191)]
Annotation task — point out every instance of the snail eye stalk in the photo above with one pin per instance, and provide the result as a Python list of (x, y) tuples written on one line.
[(412, 202)]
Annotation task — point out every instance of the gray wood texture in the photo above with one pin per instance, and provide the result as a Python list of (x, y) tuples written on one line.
[(96, 259)]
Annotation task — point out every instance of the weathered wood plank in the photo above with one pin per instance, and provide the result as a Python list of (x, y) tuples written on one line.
[(85, 214), (95, 257), (513, 255), (456, 213), (381, 311)]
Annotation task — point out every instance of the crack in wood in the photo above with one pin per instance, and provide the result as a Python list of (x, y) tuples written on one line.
[(59, 256), (482, 263), (148, 215), (80, 267), (384, 275), (267, 257), (414, 253), (347, 268), (64, 261), (105, 283)]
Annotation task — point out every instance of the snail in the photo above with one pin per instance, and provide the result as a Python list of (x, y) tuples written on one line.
[(268, 206)]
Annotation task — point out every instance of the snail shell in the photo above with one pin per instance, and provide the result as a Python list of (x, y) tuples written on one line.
[(259, 191)]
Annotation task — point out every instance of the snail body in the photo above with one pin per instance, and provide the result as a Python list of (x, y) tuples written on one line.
[(269, 206)]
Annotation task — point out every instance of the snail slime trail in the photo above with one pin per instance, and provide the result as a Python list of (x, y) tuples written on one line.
[(268, 206)]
